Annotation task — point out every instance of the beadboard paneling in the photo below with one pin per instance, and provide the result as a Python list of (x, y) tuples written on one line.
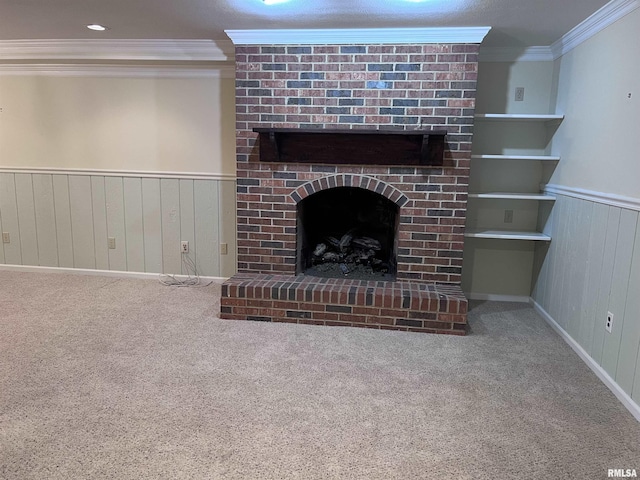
[(187, 219), (134, 229), (1, 230), (45, 220), (593, 267), (593, 258), (152, 225), (62, 212), (99, 211), (206, 195), (9, 214), (604, 288), (170, 204), (619, 291), (82, 226), (629, 356), (27, 218), (114, 196), (64, 220), (227, 226)]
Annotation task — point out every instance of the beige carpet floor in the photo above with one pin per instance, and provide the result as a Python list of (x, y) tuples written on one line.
[(104, 378)]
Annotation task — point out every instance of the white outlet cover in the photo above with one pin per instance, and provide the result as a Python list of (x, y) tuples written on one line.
[(609, 324)]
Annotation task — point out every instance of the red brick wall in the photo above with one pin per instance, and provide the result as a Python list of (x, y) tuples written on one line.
[(374, 86)]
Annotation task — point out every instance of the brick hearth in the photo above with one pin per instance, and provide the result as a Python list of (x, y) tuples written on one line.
[(414, 307), (371, 86)]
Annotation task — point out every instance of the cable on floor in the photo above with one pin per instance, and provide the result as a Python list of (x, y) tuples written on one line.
[(191, 280)]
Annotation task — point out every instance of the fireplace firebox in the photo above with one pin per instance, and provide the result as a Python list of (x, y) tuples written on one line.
[(347, 232)]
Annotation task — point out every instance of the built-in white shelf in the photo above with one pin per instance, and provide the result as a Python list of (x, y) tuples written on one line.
[(514, 196), (483, 232), (554, 158), (508, 235), (510, 117)]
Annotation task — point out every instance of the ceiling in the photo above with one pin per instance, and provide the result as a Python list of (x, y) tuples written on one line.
[(515, 23)]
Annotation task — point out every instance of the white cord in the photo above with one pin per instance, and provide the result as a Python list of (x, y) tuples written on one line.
[(190, 281)]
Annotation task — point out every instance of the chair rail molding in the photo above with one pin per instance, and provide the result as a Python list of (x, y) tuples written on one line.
[(120, 173), (614, 200)]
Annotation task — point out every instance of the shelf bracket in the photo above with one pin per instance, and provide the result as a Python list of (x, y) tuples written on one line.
[(273, 140), (432, 151)]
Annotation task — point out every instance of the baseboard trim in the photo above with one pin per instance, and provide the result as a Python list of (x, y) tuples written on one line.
[(98, 273), (497, 298), (604, 377)]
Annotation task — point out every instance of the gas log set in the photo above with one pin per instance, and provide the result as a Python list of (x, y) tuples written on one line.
[(349, 254)]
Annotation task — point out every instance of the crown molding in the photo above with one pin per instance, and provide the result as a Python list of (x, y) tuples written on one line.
[(131, 71), (509, 54), (91, 49), (610, 13), (607, 15), (374, 36)]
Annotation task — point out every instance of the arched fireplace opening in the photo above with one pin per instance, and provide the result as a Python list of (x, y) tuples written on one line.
[(347, 232)]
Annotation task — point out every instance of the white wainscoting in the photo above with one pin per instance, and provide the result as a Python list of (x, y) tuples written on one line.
[(63, 219), (591, 267)]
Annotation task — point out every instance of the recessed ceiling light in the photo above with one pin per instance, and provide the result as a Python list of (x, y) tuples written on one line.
[(96, 27), (273, 2)]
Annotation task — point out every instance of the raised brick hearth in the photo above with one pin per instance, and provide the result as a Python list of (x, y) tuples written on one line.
[(412, 87), (407, 306)]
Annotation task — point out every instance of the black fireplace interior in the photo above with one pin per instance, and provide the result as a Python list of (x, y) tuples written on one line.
[(347, 232)]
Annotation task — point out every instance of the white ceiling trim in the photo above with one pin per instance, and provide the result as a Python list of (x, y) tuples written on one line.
[(360, 36), (159, 50), (508, 54), (133, 71), (607, 15), (610, 13)]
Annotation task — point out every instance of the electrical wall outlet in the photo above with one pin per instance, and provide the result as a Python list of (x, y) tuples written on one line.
[(508, 216), (519, 94), (111, 242), (6, 237), (224, 249), (184, 246), (609, 324)]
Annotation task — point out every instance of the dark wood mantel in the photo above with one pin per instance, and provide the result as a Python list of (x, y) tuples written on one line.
[(345, 146)]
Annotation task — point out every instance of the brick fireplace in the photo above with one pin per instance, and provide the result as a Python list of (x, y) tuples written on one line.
[(402, 87)]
